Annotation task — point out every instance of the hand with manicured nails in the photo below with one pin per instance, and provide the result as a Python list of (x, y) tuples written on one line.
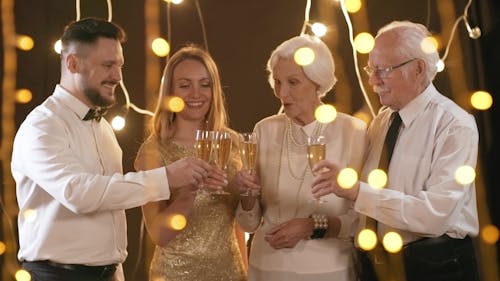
[(195, 173)]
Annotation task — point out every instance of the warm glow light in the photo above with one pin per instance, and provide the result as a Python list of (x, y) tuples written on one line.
[(177, 2), (363, 116), (429, 45), (367, 239), (118, 123), (58, 46), (481, 100), (23, 96), (159, 279), (377, 178), (30, 215), (174, 104), (318, 29), (465, 174), (304, 56), (160, 47), (347, 177), (392, 242), (364, 42), (25, 42), (352, 6), (490, 234), (2, 248), (440, 65), (325, 113), (177, 222), (22, 275)]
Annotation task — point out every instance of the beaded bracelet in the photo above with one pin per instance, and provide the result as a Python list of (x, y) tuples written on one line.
[(320, 226)]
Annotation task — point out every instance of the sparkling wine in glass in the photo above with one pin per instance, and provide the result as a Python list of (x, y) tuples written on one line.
[(248, 153), (220, 151), (316, 151), (203, 145)]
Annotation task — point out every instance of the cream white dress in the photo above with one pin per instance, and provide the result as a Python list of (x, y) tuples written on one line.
[(286, 193)]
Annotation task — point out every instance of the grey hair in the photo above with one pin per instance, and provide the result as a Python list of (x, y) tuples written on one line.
[(321, 71), (410, 36)]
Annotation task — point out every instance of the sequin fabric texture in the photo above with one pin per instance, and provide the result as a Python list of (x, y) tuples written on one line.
[(207, 249)]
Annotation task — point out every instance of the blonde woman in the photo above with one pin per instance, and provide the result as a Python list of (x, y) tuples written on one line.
[(209, 247)]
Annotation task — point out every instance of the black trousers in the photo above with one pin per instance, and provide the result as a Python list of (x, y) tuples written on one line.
[(49, 271), (430, 259)]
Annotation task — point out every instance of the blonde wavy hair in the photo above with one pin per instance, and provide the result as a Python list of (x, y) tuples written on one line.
[(215, 119)]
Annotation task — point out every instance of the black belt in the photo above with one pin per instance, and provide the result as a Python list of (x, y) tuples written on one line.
[(102, 271)]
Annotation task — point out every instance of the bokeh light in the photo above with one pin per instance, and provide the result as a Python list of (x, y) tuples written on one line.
[(377, 178), (429, 45), (481, 100), (347, 177), (174, 103), (58, 46), (367, 239), (392, 242), (325, 113), (160, 47), (177, 222), (318, 29), (3, 247), (177, 2), (24, 42), (304, 56), (490, 234), (363, 116), (30, 215), (352, 6), (364, 42), (22, 275), (118, 123), (23, 96), (440, 65), (465, 174)]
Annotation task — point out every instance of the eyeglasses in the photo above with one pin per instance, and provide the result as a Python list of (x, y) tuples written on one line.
[(384, 72)]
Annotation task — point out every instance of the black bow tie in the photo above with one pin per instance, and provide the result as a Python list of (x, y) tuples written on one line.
[(96, 114)]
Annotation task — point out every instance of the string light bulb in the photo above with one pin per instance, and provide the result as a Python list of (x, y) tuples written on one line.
[(474, 32), (58, 46), (118, 122), (318, 29)]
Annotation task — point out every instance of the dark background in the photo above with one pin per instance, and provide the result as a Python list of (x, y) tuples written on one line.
[(241, 35)]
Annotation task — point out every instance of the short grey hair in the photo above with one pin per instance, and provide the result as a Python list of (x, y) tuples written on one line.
[(321, 71), (410, 36)]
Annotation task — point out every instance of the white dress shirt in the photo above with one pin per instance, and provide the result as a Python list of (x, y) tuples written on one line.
[(422, 198), (70, 186), (286, 181)]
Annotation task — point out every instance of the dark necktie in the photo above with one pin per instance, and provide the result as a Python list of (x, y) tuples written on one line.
[(96, 114), (382, 263), (385, 157), (390, 142)]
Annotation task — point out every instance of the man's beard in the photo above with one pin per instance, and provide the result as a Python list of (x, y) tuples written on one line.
[(95, 97)]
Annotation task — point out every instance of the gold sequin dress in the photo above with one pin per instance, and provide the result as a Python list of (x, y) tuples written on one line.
[(207, 249)]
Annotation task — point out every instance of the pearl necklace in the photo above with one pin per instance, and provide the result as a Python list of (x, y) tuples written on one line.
[(291, 140), (288, 141)]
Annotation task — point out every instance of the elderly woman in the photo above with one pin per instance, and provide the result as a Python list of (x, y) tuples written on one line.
[(295, 237)]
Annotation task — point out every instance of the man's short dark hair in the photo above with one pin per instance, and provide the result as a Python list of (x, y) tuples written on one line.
[(88, 30)]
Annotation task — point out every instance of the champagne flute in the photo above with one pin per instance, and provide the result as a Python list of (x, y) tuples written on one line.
[(203, 145), (203, 148), (220, 152), (316, 151), (248, 153)]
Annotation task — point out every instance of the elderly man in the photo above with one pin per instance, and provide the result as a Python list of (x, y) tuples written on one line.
[(428, 137)]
